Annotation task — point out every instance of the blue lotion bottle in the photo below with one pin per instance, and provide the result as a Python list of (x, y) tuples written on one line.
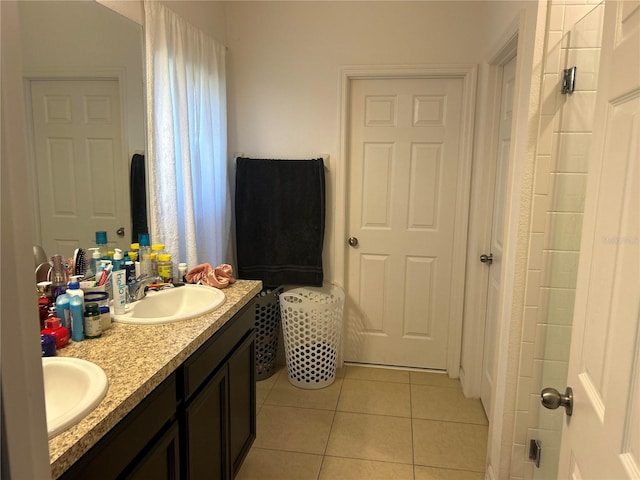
[(62, 310), (77, 319)]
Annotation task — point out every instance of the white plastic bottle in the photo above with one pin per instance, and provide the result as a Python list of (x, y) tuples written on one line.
[(95, 262), (144, 255), (182, 271), (118, 263)]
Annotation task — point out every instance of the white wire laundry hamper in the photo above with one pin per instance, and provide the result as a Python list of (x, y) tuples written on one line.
[(311, 323)]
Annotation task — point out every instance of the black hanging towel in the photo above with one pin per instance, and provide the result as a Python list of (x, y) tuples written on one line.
[(280, 212), (138, 194)]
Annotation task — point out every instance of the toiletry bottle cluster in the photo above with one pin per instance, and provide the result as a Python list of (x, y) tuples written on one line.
[(76, 308)]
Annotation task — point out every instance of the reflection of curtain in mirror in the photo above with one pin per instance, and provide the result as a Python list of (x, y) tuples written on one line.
[(189, 201)]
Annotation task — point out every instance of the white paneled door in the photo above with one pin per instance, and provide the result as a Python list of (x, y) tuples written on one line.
[(497, 233), (601, 440), (404, 168), (82, 170)]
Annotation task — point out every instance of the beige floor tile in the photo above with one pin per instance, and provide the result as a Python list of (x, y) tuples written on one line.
[(377, 374), (380, 398), (447, 404), (371, 437), (434, 379), (263, 464), (429, 473), (263, 387), (334, 468), (451, 445), (303, 430), (283, 393)]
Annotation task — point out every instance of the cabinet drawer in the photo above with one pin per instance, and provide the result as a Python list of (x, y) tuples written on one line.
[(115, 452), (210, 356)]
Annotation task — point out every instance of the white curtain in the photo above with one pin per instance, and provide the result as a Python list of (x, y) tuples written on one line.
[(189, 200)]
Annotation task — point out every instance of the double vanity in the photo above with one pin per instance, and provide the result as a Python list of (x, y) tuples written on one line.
[(180, 401)]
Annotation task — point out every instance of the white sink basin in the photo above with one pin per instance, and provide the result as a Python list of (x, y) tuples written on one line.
[(172, 305), (72, 388)]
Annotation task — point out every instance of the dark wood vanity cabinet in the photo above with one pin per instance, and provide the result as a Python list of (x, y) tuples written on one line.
[(198, 424), (220, 402)]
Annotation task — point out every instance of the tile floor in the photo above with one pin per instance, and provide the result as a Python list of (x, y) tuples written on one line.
[(371, 423)]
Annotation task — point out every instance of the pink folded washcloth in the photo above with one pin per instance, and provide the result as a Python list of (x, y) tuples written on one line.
[(220, 277)]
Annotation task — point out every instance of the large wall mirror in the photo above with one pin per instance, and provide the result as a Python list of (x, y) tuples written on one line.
[(84, 92)]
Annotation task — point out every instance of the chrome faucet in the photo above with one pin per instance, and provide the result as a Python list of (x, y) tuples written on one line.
[(137, 288)]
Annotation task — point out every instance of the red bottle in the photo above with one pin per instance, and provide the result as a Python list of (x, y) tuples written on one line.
[(61, 334)]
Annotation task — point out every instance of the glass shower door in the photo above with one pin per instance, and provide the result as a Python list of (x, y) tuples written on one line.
[(580, 48)]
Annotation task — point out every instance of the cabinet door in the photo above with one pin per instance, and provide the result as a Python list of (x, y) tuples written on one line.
[(207, 431), (242, 401), (161, 462)]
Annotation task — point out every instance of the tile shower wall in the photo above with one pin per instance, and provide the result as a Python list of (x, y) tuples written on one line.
[(559, 190)]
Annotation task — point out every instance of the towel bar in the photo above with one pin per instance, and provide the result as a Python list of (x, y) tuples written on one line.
[(325, 158)]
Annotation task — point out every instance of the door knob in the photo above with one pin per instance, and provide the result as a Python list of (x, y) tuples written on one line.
[(552, 399), (120, 232), (353, 241), (484, 258)]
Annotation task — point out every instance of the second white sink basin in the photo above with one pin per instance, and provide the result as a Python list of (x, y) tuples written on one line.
[(72, 389), (172, 305)]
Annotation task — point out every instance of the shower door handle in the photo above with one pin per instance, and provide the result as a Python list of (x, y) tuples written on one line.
[(552, 399)]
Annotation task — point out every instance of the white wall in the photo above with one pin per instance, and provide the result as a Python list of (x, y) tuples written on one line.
[(208, 16), (284, 68)]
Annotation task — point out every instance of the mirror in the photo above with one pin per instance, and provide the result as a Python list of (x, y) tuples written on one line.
[(84, 100)]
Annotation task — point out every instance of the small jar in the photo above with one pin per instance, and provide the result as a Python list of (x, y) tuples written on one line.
[(92, 321), (165, 267), (182, 271), (105, 317), (157, 249), (133, 251), (48, 345)]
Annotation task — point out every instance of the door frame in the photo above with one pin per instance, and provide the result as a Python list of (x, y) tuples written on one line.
[(481, 218), (71, 74), (468, 74)]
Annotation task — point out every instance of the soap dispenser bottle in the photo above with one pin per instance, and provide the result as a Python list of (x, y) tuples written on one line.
[(118, 263), (101, 242), (95, 262)]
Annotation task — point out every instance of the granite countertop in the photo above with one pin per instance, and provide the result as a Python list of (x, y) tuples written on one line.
[(136, 359)]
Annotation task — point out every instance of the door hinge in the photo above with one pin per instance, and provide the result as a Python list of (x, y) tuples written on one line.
[(568, 80)]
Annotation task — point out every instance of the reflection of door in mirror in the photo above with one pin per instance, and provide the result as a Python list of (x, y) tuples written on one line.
[(70, 43), (77, 140)]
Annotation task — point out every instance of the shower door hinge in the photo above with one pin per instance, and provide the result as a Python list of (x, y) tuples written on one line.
[(568, 80), (535, 451)]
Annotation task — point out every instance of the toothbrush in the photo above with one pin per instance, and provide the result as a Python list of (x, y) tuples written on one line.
[(104, 276)]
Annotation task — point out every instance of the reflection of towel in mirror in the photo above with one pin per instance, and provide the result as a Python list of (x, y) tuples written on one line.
[(138, 192), (280, 212)]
